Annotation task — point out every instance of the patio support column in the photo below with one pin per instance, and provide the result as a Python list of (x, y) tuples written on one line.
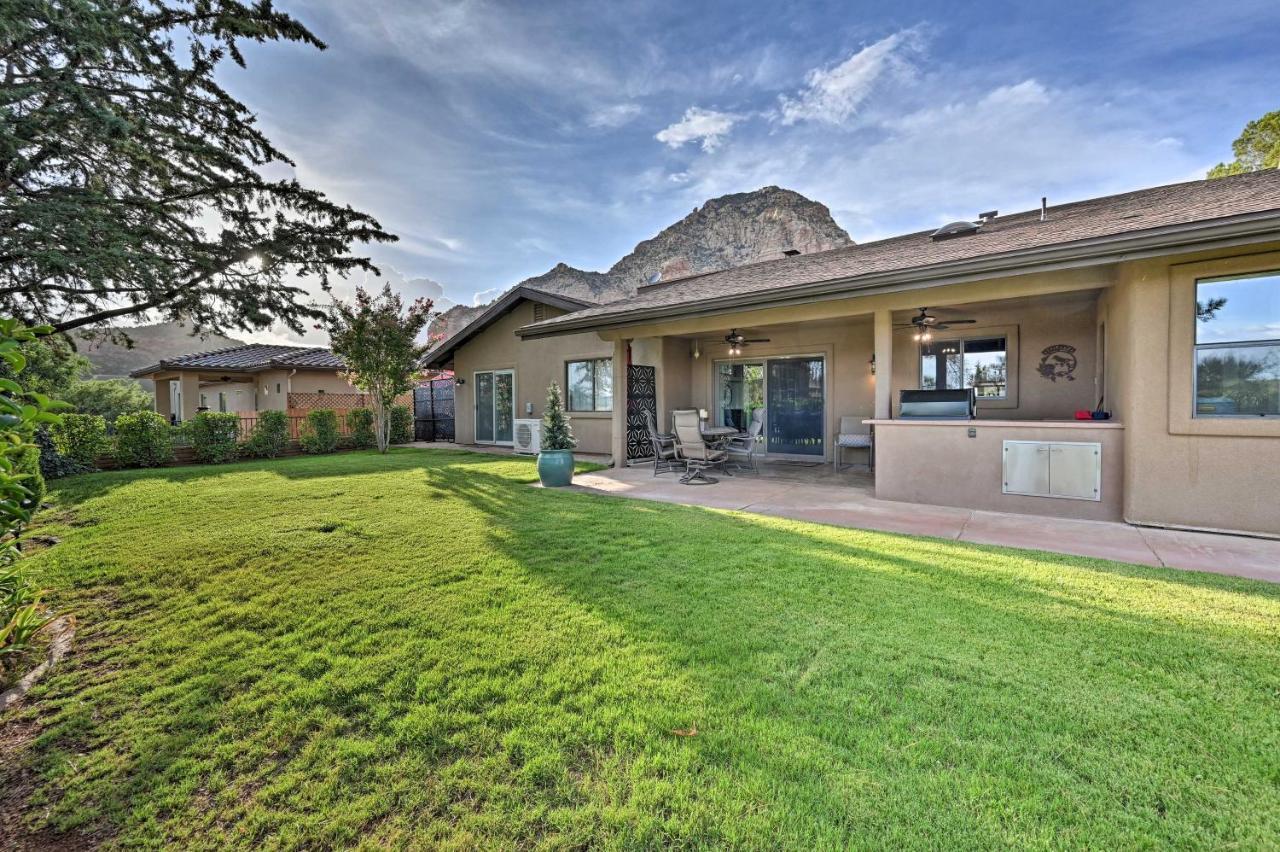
[(164, 405), (619, 443), (884, 363), (190, 383)]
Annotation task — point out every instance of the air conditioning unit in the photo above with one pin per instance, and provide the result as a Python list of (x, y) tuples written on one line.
[(528, 436)]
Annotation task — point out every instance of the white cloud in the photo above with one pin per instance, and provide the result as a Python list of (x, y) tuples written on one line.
[(832, 95), (483, 297), (613, 116), (705, 125)]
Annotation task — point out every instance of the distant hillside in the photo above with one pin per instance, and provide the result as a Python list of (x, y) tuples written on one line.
[(724, 232), (151, 343)]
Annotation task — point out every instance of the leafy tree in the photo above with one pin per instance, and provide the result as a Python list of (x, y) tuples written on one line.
[(557, 434), (131, 181), (52, 366), (108, 398), (1256, 148), (377, 337)]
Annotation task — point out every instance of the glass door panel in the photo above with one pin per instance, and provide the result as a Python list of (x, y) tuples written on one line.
[(503, 407), (795, 392), (739, 391), (484, 408)]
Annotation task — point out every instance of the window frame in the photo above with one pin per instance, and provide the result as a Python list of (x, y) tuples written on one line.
[(1180, 355), (1197, 347), (596, 361), (963, 340)]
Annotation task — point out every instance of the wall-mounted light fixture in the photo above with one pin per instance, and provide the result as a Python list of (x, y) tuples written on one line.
[(697, 353), (873, 363), (459, 381)]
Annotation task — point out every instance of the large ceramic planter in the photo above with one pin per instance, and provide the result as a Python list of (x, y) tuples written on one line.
[(555, 468)]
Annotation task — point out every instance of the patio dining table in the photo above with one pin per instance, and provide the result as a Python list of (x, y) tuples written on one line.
[(716, 437)]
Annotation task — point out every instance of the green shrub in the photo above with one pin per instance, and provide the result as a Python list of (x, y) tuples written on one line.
[(81, 437), (213, 436), (320, 432), (143, 440), (401, 424), (27, 465), (270, 435), (360, 425), (53, 464)]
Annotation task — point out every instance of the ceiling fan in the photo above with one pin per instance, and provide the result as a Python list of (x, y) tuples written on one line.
[(925, 323), (736, 340)]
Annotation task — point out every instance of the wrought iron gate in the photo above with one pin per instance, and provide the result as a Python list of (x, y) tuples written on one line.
[(642, 398), (433, 411)]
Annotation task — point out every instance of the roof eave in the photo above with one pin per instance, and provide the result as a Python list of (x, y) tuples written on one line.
[(1173, 239), (441, 356)]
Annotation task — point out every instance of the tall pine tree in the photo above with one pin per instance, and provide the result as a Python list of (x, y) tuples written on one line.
[(132, 183)]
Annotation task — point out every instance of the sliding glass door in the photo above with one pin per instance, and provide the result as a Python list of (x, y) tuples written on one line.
[(795, 393), (495, 406), (792, 392)]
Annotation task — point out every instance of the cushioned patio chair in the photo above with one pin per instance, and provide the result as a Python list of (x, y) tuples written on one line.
[(664, 447), (741, 449), (692, 450), (854, 435)]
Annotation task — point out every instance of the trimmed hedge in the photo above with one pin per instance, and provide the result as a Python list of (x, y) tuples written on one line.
[(320, 433), (214, 436), (143, 440), (53, 464), (360, 425), (270, 435), (401, 424), (81, 437)]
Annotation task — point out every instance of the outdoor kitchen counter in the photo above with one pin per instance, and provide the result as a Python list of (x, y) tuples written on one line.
[(961, 463)]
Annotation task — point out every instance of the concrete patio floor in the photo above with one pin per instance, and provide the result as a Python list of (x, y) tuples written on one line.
[(847, 499)]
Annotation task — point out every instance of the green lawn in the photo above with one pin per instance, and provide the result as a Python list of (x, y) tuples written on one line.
[(419, 650)]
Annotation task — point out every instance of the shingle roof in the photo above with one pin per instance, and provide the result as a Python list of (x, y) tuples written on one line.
[(440, 355), (1085, 224), (251, 358)]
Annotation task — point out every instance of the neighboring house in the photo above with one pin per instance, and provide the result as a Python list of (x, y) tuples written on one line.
[(1163, 304), (245, 379), (499, 378)]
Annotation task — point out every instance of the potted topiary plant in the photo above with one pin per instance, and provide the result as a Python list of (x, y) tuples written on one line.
[(555, 456)]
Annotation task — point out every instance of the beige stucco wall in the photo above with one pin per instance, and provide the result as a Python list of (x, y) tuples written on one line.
[(941, 464), (1215, 481), (537, 363)]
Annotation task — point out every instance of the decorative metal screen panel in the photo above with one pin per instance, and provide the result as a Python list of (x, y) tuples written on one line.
[(433, 411), (642, 398)]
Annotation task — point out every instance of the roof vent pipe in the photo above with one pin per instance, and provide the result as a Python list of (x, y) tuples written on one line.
[(1044, 208)]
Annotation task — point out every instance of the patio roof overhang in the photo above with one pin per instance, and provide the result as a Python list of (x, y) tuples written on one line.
[(1245, 229)]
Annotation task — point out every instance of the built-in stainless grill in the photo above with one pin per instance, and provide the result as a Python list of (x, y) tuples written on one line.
[(936, 404)]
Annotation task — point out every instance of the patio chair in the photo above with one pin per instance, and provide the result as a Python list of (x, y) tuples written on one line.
[(693, 450), (853, 435), (664, 447), (742, 449)]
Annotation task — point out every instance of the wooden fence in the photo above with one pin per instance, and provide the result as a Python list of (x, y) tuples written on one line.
[(301, 403), (296, 423)]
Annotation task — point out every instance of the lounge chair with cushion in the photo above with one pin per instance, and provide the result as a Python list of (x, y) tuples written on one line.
[(692, 450), (854, 435)]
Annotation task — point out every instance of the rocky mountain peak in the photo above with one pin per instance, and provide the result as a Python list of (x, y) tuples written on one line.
[(723, 232)]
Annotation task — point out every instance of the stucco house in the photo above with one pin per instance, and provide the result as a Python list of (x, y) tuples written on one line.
[(246, 379), (1160, 306), (500, 378)]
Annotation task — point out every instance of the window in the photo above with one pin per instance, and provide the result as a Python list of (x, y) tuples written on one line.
[(980, 363), (222, 401), (1237, 357), (590, 384), (277, 387)]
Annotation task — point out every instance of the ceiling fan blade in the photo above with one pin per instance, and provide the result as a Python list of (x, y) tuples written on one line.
[(959, 322), (756, 340)]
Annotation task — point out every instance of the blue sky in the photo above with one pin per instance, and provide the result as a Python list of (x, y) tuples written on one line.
[(498, 139)]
